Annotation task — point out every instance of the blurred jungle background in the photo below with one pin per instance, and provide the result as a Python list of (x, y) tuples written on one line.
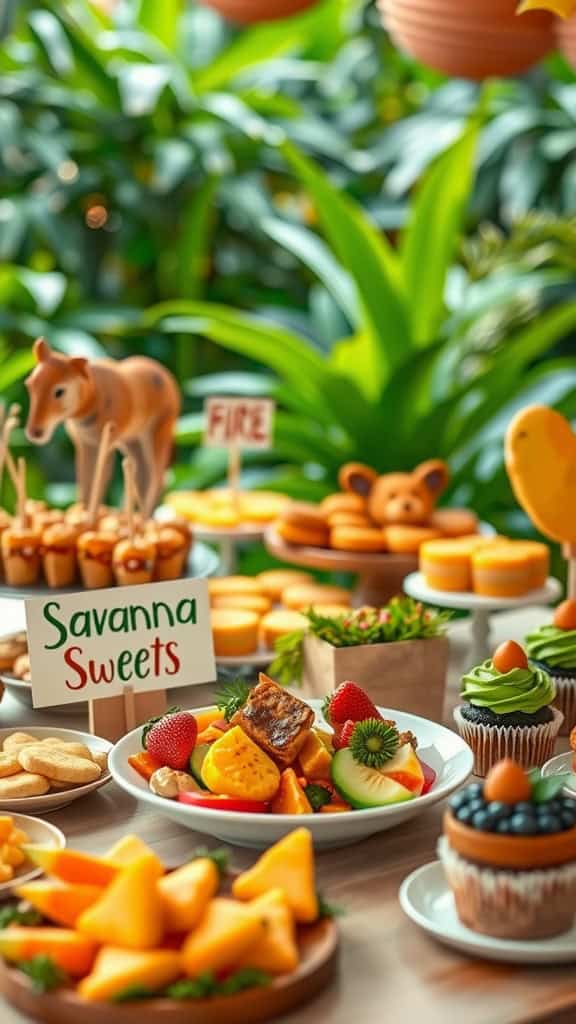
[(294, 209)]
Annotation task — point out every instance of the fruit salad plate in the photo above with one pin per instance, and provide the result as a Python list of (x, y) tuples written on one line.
[(37, 831), (442, 750), (63, 793), (562, 764), (426, 898)]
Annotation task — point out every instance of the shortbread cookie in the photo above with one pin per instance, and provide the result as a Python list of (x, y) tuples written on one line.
[(60, 787), (22, 785), (9, 765), (16, 740), (58, 765), (100, 757), (68, 747)]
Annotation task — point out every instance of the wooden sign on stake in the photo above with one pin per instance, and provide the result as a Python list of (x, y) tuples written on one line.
[(238, 424)]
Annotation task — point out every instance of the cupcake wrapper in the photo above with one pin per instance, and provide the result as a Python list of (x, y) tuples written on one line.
[(511, 904), (530, 745)]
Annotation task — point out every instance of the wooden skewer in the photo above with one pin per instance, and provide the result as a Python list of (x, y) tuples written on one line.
[(21, 492), (6, 459), (234, 464), (96, 490)]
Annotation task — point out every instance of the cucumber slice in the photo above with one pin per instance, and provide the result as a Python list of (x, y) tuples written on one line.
[(365, 787), (197, 760)]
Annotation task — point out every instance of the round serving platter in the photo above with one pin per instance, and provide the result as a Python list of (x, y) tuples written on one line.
[(203, 562), (318, 961)]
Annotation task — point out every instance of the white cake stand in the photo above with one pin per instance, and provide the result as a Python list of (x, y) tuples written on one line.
[(480, 607), (226, 538)]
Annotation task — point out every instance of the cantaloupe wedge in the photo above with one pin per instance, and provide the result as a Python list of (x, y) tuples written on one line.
[(70, 951), (225, 933), (117, 969), (186, 893), (315, 758), (277, 951), (60, 901), (288, 865), (206, 718), (127, 850), (290, 798), (129, 913), (71, 866)]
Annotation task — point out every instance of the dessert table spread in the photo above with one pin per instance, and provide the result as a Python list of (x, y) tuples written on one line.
[(389, 968)]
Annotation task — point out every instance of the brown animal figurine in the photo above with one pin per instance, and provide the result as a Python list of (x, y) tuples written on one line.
[(406, 498), (138, 396)]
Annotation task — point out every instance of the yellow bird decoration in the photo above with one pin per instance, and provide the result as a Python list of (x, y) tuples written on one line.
[(562, 7), (540, 453)]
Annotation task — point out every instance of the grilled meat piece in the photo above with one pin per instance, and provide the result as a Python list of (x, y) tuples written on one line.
[(278, 722)]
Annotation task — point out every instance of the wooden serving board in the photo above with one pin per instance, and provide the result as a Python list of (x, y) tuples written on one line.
[(319, 955)]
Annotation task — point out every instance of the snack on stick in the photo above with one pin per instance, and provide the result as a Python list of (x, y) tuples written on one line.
[(171, 552), (95, 550), (21, 555), (59, 554), (133, 561)]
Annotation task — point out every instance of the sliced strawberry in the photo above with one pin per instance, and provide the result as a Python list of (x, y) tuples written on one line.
[(350, 703)]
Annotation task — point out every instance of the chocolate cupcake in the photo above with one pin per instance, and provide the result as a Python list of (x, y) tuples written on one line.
[(509, 854), (507, 712), (553, 649)]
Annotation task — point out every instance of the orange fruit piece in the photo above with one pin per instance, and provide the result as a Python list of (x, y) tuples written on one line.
[(509, 656), (565, 615), (507, 782)]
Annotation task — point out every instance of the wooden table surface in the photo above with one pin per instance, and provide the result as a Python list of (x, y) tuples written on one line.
[(389, 970)]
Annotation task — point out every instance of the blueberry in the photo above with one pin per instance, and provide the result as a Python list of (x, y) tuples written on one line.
[(474, 789), (524, 807), (554, 806), (568, 803), (482, 821), (477, 805), (568, 819), (523, 824), (458, 800), (549, 823), (503, 826), (497, 810), (464, 814)]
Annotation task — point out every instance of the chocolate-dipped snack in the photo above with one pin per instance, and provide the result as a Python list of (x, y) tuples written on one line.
[(171, 553), (133, 561), (95, 558), (59, 559)]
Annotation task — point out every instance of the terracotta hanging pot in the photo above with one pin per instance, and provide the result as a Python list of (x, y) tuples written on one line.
[(469, 38), (246, 12), (566, 36)]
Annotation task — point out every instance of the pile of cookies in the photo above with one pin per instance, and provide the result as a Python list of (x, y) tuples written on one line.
[(33, 766), (222, 509), (250, 613), (14, 658)]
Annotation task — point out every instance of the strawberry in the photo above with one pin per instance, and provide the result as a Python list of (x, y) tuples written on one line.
[(345, 735), (171, 740), (349, 702)]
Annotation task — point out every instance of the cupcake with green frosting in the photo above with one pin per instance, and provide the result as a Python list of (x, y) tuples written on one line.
[(553, 649), (507, 710)]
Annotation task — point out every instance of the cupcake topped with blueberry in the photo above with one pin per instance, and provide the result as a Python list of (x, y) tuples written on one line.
[(552, 648), (507, 710), (509, 853)]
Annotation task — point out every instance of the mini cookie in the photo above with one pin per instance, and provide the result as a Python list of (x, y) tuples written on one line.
[(406, 540), (348, 519), (76, 749), (60, 787), (22, 785), (301, 597), (357, 538), (57, 765), (21, 668), (10, 649), (100, 757), (9, 765), (16, 740), (455, 522), (344, 503), (304, 536), (304, 513)]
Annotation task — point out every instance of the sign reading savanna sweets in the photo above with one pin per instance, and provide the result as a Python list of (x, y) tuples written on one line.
[(93, 644)]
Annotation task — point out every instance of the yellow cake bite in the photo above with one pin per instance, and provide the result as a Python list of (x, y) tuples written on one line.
[(304, 595), (502, 570), (221, 586), (235, 632), (275, 581), (248, 602), (279, 623)]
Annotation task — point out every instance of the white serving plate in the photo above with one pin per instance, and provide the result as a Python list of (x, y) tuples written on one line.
[(41, 833), (52, 801), (443, 750), (560, 765), (426, 898)]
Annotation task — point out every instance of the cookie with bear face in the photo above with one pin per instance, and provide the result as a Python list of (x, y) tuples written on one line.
[(397, 498)]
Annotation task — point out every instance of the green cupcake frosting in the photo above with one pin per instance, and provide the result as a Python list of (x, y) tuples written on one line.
[(522, 689), (555, 647)]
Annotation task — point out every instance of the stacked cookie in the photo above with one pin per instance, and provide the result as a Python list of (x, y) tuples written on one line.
[(489, 566), (30, 766), (251, 613)]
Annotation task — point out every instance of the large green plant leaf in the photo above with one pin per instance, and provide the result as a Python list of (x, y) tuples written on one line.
[(90, 71), (160, 18), (432, 233), (193, 247), (385, 341), (14, 367)]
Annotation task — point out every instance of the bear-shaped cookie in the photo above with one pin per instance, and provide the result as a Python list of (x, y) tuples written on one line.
[(397, 498)]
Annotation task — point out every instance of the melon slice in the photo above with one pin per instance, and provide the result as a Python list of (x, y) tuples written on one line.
[(277, 951), (289, 866), (59, 901), (72, 952), (186, 893), (406, 769), (225, 933), (129, 913), (127, 850), (290, 798), (71, 866), (365, 787), (116, 970), (236, 766)]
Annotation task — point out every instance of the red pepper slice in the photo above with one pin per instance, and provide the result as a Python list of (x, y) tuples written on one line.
[(214, 802)]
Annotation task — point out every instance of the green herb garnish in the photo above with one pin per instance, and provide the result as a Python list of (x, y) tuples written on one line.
[(549, 787), (15, 914), (133, 993), (193, 988), (288, 665), (232, 697), (154, 721), (44, 974), (373, 742), (326, 909), (219, 856), (245, 977), (317, 796)]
